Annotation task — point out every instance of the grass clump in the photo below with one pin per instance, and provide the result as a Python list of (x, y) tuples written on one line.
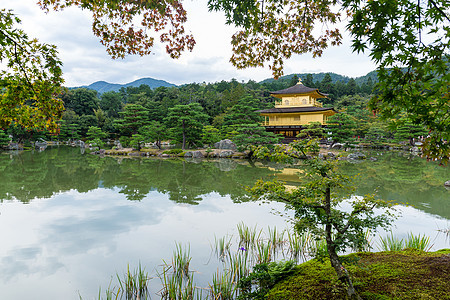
[(173, 151), (134, 285), (177, 278), (413, 242)]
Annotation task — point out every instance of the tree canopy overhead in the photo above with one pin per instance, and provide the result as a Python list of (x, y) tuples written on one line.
[(126, 27), (30, 78)]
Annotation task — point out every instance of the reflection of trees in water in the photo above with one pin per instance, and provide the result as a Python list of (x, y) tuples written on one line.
[(32, 175), (183, 181), (405, 179)]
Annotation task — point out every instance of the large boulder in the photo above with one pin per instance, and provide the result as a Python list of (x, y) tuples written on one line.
[(226, 154), (225, 144), (194, 154), (40, 145), (337, 146)]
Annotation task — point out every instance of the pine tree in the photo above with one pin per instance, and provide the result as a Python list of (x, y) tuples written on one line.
[(186, 122), (135, 116)]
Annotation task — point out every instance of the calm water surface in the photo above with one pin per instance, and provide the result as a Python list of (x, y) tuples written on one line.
[(70, 222)]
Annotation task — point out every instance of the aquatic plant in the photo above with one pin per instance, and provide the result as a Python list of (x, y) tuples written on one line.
[(276, 239), (264, 252), (223, 286), (391, 243), (222, 246), (133, 285), (248, 237), (298, 245), (177, 279), (238, 264), (419, 242)]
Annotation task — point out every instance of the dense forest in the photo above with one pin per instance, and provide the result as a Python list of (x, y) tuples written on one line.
[(197, 114)]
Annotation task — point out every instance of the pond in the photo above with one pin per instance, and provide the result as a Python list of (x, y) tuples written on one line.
[(70, 222)]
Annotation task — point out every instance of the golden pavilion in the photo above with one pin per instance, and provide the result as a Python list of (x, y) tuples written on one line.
[(295, 107)]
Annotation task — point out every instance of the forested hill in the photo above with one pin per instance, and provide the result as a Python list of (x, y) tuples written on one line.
[(318, 77), (103, 86)]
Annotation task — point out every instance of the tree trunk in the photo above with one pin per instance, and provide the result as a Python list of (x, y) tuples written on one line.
[(331, 248)]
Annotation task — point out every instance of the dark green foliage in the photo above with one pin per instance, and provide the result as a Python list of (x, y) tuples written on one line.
[(210, 135), (4, 139), (351, 87), (82, 101), (294, 80), (263, 277), (406, 130), (95, 136), (86, 121), (136, 141), (342, 127), (308, 81), (225, 103), (253, 135), (111, 103), (312, 130), (22, 135), (135, 116), (186, 122), (377, 133), (243, 112), (154, 132), (367, 86), (69, 131), (124, 141)]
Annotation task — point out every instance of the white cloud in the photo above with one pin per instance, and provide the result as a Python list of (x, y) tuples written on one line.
[(86, 61)]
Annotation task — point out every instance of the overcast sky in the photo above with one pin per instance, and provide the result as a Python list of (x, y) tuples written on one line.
[(86, 61)]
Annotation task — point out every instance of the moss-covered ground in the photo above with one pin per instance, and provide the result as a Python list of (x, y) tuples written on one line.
[(383, 275)]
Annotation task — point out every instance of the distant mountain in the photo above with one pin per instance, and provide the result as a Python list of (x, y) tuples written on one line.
[(103, 86), (318, 77), (373, 75)]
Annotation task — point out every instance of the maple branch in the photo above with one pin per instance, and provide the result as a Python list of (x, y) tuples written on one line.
[(353, 214), (440, 10), (16, 56)]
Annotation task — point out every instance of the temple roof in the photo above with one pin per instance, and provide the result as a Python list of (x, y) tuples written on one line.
[(299, 88), (295, 109)]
